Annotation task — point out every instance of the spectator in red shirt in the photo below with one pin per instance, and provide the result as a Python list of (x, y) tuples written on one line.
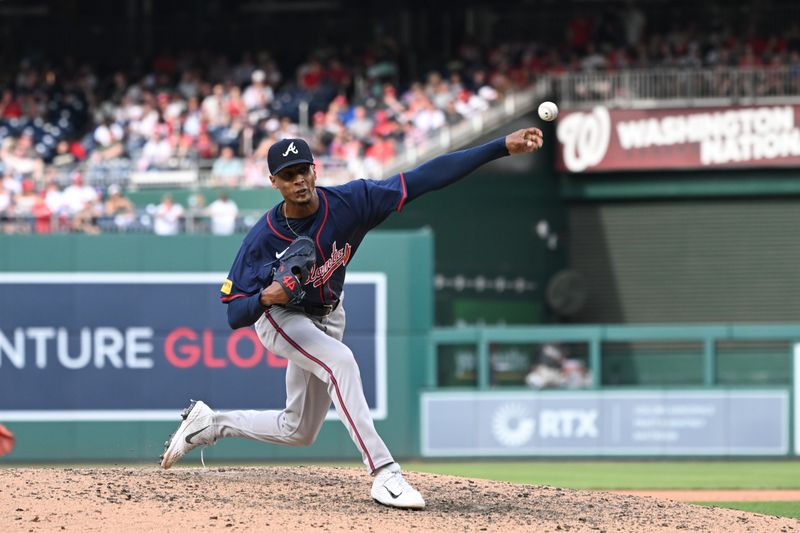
[(579, 31), (384, 126), (382, 150), (165, 63), (206, 148), (337, 73), (309, 75), (234, 105), (42, 216), (749, 57), (9, 105)]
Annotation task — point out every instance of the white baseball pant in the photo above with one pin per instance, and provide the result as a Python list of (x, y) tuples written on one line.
[(321, 369)]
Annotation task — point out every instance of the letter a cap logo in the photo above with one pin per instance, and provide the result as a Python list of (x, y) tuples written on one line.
[(288, 152), (291, 149)]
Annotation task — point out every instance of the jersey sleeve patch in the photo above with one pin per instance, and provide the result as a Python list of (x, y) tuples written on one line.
[(226, 287)]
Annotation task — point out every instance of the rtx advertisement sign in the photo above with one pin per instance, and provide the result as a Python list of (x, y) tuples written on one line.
[(553, 423)]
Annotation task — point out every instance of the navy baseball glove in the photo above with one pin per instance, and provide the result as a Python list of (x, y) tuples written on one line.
[(297, 261)]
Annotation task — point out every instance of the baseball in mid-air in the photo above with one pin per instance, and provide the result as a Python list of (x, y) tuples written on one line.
[(548, 111)]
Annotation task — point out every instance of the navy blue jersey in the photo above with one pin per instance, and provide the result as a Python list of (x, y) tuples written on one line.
[(346, 213)]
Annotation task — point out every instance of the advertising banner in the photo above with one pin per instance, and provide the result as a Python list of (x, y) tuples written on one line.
[(731, 422), (138, 346), (796, 385), (604, 139)]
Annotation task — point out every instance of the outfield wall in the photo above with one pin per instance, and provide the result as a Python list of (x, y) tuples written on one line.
[(653, 423), (105, 338), (733, 394)]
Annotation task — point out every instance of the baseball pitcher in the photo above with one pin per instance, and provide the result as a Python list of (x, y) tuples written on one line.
[(287, 280)]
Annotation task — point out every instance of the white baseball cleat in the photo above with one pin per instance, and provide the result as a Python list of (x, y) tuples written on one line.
[(390, 488), (197, 429)]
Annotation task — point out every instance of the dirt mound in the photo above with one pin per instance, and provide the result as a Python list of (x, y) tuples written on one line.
[(284, 498)]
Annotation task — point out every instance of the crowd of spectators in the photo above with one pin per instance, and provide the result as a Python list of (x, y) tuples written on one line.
[(64, 124), (188, 108), (81, 208), (735, 61), (223, 115)]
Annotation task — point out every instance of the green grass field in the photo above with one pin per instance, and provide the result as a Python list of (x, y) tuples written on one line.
[(629, 475), (788, 509), (640, 475)]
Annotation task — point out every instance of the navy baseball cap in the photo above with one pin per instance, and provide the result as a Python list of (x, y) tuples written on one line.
[(288, 152)]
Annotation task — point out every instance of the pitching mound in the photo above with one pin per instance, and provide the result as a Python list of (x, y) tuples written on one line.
[(329, 499)]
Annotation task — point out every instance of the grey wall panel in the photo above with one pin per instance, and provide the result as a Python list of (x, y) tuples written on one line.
[(688, 261)]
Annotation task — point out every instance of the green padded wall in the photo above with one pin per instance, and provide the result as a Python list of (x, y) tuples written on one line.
[(485, 225), (405, 256)]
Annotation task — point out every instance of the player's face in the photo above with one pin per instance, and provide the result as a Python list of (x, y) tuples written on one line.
[(296, 183)]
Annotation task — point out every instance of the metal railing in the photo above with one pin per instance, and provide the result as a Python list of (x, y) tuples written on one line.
[(595, 337), (667, 87), (141, 221)]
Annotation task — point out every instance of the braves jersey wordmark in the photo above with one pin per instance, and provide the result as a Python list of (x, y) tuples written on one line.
[(345, 215)]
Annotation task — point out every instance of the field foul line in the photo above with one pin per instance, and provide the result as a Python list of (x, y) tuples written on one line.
[(716, 495)]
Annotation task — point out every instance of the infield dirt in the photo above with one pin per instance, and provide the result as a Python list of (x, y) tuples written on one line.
[(312, 498)]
